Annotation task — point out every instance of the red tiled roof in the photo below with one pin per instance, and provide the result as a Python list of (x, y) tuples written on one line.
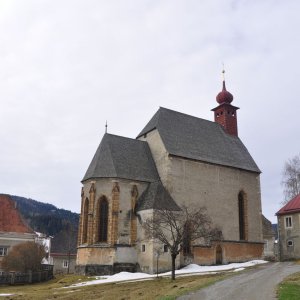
[(10, 218), (292, 206)]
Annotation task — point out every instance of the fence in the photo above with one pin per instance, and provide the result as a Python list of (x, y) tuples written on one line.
[(13, 278)]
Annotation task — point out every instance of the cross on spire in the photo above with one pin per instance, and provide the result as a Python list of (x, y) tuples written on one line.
[(223, 72)]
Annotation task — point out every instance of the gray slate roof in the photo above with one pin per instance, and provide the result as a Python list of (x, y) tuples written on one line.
[(194, 138), (156, 197), (120, 157)]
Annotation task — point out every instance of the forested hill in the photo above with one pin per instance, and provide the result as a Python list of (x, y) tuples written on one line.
[(50, 220)]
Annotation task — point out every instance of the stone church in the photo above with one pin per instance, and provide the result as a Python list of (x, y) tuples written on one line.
[(175, 160)]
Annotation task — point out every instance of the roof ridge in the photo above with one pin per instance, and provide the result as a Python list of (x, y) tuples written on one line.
[(185, 114), (125, 137)]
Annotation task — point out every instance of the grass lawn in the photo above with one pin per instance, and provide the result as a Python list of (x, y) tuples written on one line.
[(161, 288), (289, 289)]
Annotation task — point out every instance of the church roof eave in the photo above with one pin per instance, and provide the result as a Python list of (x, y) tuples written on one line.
[(216, 163), (114, 178)]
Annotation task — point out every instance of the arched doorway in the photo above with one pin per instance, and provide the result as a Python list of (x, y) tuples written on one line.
[(219, 255)]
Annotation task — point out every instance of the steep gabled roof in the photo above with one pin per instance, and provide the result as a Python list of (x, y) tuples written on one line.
[(291, 207), (267, 228), (120, 157), (10, 218), (194, 138), (156, 197)]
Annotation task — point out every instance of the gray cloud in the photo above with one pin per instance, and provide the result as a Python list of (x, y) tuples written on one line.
[(68, 66)]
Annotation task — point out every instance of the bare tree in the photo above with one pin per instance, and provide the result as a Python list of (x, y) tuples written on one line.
[(177, 228), (24, 257), (291, 178), (157, 254)]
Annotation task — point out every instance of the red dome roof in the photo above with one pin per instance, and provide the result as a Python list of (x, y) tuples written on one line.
[(224, 96)]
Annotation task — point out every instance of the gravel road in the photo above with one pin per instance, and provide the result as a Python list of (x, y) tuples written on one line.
[(254, 284)]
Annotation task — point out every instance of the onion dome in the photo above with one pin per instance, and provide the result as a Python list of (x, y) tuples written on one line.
[(224, 96)]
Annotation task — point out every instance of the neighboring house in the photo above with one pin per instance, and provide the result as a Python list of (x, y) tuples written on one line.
[(45, 241), (289, 230), (63, 251), (57, 252), (177, 159), (13, 230), (63, 263), (269, 239)]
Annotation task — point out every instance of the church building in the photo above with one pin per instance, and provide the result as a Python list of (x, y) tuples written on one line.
[(175, 160)]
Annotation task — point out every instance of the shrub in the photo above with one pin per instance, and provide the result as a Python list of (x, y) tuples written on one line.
[(24, 257)]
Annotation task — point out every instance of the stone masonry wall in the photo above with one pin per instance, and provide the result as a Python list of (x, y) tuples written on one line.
[(290, 250), (231, 252)]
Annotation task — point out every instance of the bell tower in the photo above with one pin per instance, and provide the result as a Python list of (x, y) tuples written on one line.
[(225, 113)]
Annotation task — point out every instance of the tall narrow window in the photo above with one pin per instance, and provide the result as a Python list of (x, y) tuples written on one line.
[(242, 222), (85, 220), (288, 222), (186, 240), (103, 213), (65, 263), (3, 251)]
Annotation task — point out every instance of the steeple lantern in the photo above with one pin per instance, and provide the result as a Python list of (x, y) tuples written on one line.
[(225, 113)]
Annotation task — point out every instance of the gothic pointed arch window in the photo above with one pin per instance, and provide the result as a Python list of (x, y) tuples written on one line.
[(186, 243), (242, 207), (103, 219), (85, 220)]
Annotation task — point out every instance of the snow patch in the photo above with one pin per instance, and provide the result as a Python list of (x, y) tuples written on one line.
[(239, 269), (191, 269)]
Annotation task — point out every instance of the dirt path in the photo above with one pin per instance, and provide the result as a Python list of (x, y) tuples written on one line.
[(256, 284)]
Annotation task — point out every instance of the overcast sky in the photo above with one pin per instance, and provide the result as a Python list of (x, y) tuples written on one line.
[(67, 66)]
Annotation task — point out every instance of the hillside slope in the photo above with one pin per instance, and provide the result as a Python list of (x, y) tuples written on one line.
[(48, 219)]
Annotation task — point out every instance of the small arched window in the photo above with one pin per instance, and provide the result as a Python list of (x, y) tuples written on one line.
[(85, 220), (242, 215), (103, 222)]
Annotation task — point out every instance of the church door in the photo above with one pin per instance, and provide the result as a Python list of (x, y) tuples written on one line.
[(219, 255)]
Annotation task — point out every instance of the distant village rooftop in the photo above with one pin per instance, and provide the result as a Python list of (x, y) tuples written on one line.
[(10, 219)]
